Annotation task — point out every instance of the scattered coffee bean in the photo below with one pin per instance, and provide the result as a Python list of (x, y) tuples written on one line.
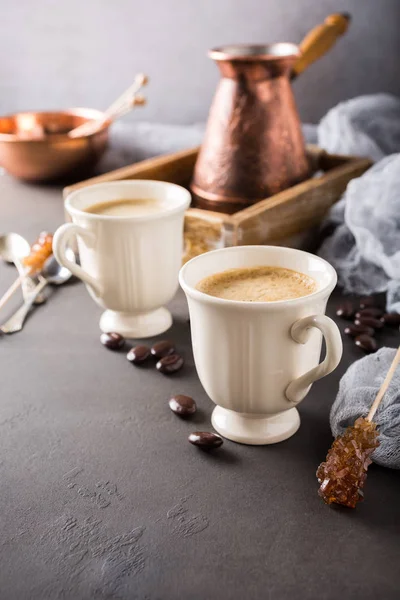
[(138, 354), (369, 312), (182, 405), (369, 322), (205, 439), (112, 340), (170, 364), (367, 302), (345, 310), (391, 319), (355, 330), (163, 348), (366, 343)]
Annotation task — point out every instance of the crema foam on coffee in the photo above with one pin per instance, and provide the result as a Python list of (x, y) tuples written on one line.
[(126, 208), (258, 284)]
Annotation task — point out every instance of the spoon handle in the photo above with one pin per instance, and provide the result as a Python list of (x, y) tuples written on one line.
[(16, 322), (11, 291), (28, 284)]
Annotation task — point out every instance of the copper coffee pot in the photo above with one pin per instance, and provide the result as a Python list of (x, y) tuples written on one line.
[(253, 145)]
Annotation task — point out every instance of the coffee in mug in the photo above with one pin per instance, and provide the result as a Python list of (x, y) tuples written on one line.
[(126, 207), (258, 284)]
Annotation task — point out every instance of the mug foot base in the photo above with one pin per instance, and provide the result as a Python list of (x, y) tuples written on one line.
[(257, 431), (136, 325)]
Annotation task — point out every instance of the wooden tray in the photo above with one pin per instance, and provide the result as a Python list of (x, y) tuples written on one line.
[(288, 218)]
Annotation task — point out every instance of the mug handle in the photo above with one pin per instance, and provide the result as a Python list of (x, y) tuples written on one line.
[(60, 243), (300, 330)]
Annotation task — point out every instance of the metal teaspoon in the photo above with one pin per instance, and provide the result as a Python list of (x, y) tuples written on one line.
[(13, 248), (52, 273)]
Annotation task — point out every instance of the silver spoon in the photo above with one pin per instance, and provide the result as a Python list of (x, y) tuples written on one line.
[(53, 273), (13, 245), (13, 248)]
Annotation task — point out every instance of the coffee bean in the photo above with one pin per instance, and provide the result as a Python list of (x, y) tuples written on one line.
[(367, 302), (369, 322), (138, 354), (345, 310), (369, 312), (163, 348), (170, 364), (205, 440), (182, 405), (391, 319), (355, 330), (112, 340), (366, 343)]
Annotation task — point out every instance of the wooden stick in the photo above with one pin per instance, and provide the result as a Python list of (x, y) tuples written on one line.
[(319, 40), (384, 386), (11, 291), (92, 126), (126, 108), (140, 81), (112, 112)]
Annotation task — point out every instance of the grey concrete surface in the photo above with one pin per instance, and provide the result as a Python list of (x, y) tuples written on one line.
[(102, 496)]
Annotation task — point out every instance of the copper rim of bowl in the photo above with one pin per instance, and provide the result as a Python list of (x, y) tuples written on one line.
[(250, 52), (89, 114)]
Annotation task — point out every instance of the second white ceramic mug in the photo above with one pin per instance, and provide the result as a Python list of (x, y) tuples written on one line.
[(130, 264), (257, 360)]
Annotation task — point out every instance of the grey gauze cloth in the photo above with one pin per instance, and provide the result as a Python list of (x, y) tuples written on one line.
[(365, 247), (357, 391), (364, 126)]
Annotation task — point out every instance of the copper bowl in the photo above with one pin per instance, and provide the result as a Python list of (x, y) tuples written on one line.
[(35, 146)]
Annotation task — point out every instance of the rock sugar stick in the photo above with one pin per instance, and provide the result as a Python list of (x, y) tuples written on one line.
[(39, 253), (342, 476)]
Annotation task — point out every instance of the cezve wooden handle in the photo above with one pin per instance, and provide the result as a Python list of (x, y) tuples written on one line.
[(320, 40)]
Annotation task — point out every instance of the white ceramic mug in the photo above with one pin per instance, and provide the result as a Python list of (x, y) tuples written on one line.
[(130, 264), (257, 360)]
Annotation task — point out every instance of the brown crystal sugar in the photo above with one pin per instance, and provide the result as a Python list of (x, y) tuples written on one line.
[(342, 476), (40, 252), (258, 284)]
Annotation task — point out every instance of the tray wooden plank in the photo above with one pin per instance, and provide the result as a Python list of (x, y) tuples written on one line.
[(176, 168), (295, 209)]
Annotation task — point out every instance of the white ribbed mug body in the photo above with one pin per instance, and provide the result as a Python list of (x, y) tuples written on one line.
[(245, 356), (135, 262)]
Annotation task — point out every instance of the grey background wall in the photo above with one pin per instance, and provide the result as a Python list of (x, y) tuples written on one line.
[(59, 53)]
